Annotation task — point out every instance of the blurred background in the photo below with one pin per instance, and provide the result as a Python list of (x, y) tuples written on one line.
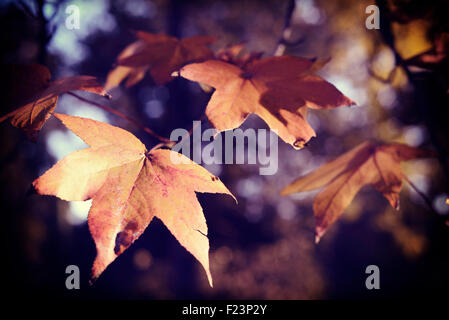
[(263, 247)]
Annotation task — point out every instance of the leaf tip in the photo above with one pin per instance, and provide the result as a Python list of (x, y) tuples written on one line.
[(208, 274), (32, 189), (233, 197), (397, 205), (106, 94), (211, 283), (319, 232), (349, 102), (299, 144)]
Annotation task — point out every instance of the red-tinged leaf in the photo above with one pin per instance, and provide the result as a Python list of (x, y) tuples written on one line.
[(129, 186), (277, 89), (32, 116), (120, 73), (367, 164), (160, 54)]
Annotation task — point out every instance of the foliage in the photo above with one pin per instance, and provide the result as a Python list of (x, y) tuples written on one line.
[(130, 184)]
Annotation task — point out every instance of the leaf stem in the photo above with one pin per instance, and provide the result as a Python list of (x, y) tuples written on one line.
[(124, 116), (440, 217), (196, 125), (420, 193), (189, 133)]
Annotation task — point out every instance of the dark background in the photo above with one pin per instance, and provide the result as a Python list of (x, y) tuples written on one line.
[(263, 247)]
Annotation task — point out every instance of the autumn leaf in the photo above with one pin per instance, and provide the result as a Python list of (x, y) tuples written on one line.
[(277, 89), (435, 59), (367, 164), (236, 55), (129, 186), (32, 115), (431, 59), (160, 54), (132, 74)]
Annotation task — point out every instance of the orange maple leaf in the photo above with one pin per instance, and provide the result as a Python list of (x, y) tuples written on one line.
[(160, 54), (367, 164), (32, 115), (129, 186), (277, 89)]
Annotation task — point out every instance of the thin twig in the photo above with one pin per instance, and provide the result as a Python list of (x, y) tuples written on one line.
[(43, 35), (195, 126), (287, 31), (124, 116), (187, 135), (420, 193), (387, 80), (441, 218), (26, 9)]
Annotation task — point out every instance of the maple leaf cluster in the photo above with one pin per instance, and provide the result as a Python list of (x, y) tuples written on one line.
[(130, 185), (277, 89)]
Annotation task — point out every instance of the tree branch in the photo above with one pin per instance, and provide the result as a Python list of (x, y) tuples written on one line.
[(287, 32), (422, 101), (425, 198), (420, 193), (124, 116)]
